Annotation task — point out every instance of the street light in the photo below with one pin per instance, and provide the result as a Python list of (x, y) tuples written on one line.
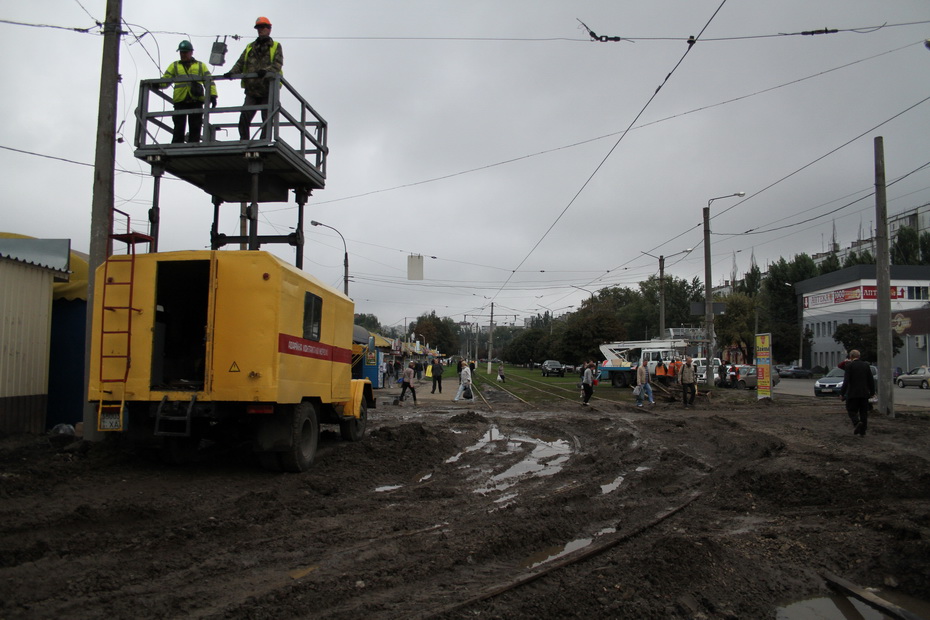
[(708, 300), (345, 247), (552, 314), (662, 286), (583, 289)]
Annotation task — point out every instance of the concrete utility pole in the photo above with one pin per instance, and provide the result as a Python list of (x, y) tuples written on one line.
[(491, 338), (101, 219), (883, 284)]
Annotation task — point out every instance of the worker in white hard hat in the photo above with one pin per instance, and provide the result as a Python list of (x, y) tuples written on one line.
[(262, 56)]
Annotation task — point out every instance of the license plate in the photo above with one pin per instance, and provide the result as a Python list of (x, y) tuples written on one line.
[(111, 421), (827, 389)]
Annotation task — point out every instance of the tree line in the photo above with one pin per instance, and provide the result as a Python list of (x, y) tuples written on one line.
[(759, 303)]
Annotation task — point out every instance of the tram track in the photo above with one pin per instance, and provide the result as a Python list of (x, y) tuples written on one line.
[(547, 388)]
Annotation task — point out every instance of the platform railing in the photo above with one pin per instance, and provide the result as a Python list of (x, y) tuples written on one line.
[(291, 119)]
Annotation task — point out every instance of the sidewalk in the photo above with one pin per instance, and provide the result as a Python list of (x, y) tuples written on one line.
[(423, 386)]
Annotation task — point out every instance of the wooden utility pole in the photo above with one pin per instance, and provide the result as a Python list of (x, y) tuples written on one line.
[(101, 219), (883, 284)]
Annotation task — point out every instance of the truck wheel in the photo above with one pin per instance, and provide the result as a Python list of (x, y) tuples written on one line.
[(305, 432), (354, 429)]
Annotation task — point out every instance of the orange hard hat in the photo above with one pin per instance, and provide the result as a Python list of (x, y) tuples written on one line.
[(262, 21)]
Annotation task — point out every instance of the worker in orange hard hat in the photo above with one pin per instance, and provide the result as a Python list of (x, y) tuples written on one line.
[(262, 56)]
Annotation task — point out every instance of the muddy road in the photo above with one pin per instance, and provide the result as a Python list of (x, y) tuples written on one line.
[(455, 510)]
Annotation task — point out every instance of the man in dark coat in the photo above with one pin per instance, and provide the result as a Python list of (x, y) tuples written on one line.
[(858, 388)]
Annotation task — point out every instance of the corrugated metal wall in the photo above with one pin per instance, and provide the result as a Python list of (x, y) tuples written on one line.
[(25, 326)]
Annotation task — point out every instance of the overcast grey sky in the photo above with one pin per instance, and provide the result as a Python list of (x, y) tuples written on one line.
[(487, 134)]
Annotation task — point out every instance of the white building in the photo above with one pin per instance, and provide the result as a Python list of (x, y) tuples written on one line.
[(850, 296)]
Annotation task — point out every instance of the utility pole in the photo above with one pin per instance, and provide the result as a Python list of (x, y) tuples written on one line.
[(883, 284), (661, 296), (491, 338), (101, 218)]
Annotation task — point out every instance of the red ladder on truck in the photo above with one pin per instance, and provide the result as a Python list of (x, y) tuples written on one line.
[(116, 327)]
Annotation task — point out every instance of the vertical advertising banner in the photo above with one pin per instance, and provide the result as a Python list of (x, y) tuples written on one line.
[(763, 365)]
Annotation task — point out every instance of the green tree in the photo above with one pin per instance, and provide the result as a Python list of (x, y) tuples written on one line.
[(865, 339), (368, 321), (862, 258), (905, 250), (585, 330), (925, 248), (752, 281), (736, 327), (830, 264), (521, 350), (779, 312), (440, 333)]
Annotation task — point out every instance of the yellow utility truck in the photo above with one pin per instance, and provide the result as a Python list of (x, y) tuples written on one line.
[(223, 345)]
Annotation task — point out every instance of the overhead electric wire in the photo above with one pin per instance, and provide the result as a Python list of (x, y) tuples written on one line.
[(614, 147), (609, 135)]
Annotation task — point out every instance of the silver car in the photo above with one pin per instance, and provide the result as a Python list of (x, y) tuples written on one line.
[(748, 379), (919, 377)]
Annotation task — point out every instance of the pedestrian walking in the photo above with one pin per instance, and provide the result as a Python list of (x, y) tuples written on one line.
[(188, 95), (465, 383), (262, 56), (642, 382), (858, 388), (500, 373), (686, 377), (587, 383), (437, 370), (408, 383)]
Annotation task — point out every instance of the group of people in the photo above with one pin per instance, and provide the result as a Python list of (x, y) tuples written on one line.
[(409, 375), (684, 373), (264, 57)]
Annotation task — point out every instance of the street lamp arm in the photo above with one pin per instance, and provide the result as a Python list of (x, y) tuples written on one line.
[(345, 262)]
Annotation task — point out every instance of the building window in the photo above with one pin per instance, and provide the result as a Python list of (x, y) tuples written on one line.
[(918, 292)]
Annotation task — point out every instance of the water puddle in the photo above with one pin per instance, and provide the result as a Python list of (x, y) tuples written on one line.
[(612, 486), (545, 459), (837, 607), (553, 553), (493, 434)]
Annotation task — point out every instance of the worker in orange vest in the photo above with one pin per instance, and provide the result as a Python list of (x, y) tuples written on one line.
[(661, 373)]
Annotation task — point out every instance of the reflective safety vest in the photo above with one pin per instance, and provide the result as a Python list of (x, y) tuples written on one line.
[(182, 90), (274, 50)]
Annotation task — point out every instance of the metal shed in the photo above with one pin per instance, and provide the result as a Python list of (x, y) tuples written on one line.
[(28, 269)]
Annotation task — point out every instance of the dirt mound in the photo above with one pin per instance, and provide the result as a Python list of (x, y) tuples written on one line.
[(726, 511)]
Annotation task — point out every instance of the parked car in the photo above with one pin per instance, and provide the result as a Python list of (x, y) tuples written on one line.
[(553, 367), (832, 382), (749, 378), (919, 377), (795, 372)]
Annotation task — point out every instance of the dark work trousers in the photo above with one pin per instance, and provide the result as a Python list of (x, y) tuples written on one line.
[(246, 116), (688, 392), (437, 383), (196, 121), (588, 392), (858, 410), (403, 390)]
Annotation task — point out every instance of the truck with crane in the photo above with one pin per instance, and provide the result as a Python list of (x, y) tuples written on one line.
[(622, 359), (226, 346)]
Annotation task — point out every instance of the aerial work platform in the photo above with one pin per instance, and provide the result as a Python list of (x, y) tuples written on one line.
[(290, 144), (286, 151)]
